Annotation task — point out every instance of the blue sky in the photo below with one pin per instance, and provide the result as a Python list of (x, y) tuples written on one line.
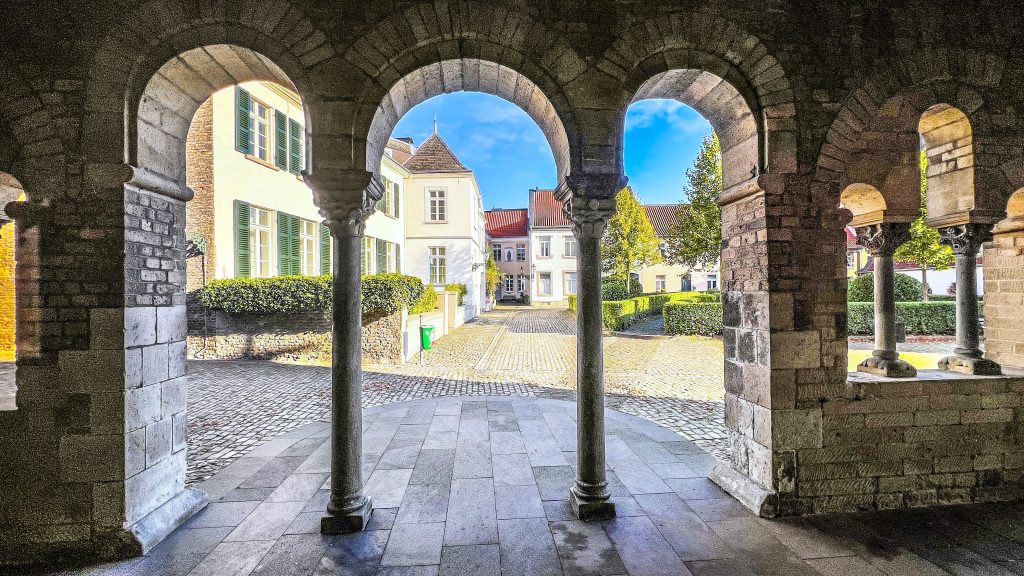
[(510, 155)]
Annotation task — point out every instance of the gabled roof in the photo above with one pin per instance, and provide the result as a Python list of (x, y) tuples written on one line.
[(662, 217), (400, 150), (434, 156), (546, 211), (507, 223)]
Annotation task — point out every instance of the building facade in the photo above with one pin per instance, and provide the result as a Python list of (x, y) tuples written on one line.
[(444, 226), (509, 239), (554, 249), (666, 277)]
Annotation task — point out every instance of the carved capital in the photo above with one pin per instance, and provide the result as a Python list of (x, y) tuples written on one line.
[(590, 186), (883, 239), (346, 198), (966, 239), (589, 216)]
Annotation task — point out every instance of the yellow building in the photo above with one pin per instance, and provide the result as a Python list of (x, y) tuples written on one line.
[(666, 277)]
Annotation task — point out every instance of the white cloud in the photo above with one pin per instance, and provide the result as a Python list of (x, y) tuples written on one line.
[(676, 115)]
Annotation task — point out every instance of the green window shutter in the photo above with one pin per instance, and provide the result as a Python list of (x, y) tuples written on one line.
[(294, 147), (398, 202), (382, 255), (242, 104), (288, 257), (325, 249), (280, 140), (398, 258), (243, 263)]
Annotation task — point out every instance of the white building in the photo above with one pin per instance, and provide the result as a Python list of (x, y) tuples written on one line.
[(509, 238), (444, 224), (553, 248)]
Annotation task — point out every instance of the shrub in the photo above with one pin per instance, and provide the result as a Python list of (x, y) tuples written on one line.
[(426, 302), (862, 288), (700, 318), (268, 296), (572, 302), (386, 294), (613, 289), (462, 289), (919, 317)]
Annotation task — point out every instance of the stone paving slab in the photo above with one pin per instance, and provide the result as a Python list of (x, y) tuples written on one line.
[(482, 527)]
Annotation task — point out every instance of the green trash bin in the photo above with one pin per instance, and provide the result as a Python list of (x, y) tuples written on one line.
[(425, 333)]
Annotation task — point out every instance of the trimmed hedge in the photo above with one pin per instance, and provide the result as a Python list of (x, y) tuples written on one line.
[(268, 296), (383, 294), (613, 288), (862, 288), (462, 289), (620, 314), (700, 318), (919, 317)]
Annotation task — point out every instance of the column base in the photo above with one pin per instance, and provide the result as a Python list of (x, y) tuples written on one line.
[(350, 519), (968, 365), (591, 508), (887, 367)]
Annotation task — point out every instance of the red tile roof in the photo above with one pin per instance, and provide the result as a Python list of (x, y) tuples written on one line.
[(507, 223), (851, 237), (547, 211), (434, 156), (401, 150), (662, 217)]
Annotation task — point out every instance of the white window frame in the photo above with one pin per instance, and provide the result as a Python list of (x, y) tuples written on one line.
[(438, 265), (571, 247), (544, 247), (540, 284), (496, 252), (569, 283), (369, 255), (510, 281), (309, 260), (660, 283), (520, 252), (256, 263), (392, 261), (712, 281), (522, 282), (437, 205), (260, 126)]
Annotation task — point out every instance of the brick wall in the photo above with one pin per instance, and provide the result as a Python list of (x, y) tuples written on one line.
[(199, 212)]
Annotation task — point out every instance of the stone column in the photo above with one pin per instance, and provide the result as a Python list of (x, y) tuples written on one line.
[(589, 496), (881, 241), (966, 240), (346, 206)]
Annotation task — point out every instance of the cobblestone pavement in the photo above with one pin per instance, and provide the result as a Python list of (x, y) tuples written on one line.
[(920, 344), (676, 382)]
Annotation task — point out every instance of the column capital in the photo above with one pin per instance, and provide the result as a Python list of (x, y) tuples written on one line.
[(966, 239), (883, 239), (589, 216), (346, 198)]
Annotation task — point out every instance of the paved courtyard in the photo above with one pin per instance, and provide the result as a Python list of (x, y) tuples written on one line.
[(476, 486), (676, 382)]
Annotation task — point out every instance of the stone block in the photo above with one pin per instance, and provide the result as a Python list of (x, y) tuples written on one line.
[(139, 326), (108, 504), (171, 324), (796, 349), (158, 441), (91, 370), (179, 432), (154, 364), (133, 368), (177, 357), (149, 489), (134, 452), (792, 429), (91, 458), (106, 328), (142, 407), (173, 394), (106, 413)]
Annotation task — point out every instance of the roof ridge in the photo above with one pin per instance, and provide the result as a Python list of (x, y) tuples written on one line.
[(434, 155)]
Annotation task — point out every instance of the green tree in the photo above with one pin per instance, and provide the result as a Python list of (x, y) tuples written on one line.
[(696, 239), (924, 248), (492, 276), (630, 242)]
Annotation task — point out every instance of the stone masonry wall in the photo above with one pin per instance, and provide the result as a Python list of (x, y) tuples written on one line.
[(938, 439), (1004, 299), (300, 337), (7, 314)]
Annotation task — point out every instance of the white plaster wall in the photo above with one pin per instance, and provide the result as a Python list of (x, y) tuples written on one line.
[(558, 264)]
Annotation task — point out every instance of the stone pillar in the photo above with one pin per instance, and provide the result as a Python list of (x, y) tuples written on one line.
[(590, 213), (346, 201), (881, 241), (967, 357)]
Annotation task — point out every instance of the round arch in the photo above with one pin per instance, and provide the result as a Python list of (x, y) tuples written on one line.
[(742, 90), (462, 48), (189, 56)]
